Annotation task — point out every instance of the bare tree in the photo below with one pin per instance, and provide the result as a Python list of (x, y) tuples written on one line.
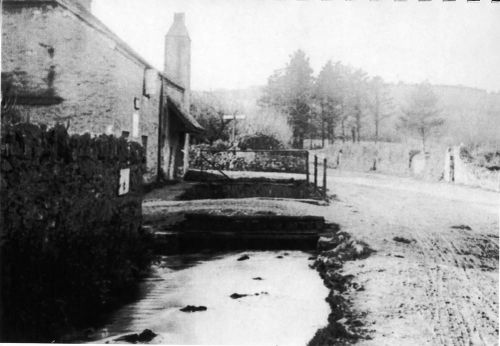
[(351, 99), (327, 96), (208, 109), (379, 103), (422, 114), (358, 101)]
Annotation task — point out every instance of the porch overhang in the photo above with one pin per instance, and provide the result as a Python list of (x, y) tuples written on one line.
[(190, 124)]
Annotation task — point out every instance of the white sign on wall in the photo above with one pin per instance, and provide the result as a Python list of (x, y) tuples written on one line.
[(124, 181), (135, 124)]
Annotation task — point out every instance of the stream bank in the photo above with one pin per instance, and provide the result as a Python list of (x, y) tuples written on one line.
[(342, 324), (345, 326)]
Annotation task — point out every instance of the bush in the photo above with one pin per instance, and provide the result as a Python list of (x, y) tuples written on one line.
[(220, 145), (260, 141), (69, 244)]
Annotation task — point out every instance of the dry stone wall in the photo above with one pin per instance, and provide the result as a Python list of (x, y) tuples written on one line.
[(287, 161), (458, 169), (69, 242)]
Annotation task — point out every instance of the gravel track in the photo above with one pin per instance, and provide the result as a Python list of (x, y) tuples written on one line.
[(441, 288)]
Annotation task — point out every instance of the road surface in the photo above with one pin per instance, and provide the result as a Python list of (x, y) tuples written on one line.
[(437, 285)]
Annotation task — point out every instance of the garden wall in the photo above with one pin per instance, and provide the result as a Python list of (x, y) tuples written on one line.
[(289, 161), (69, 243), (391, 158), (460, 168), (404, 159)]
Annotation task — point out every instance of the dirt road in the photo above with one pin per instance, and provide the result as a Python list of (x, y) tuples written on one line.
[(437, 284)]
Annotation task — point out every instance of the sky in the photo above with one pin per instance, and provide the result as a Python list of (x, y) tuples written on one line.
[(239, 43)]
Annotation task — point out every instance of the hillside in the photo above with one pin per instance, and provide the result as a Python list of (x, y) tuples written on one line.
[(472, 115)]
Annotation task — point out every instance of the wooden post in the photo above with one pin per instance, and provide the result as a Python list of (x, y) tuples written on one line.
[(201, 159), (315, 172), (324, 177), (307, 166), (186, 154)]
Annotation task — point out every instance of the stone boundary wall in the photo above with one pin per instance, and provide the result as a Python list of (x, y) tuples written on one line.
[(459, 169), (401, 159), (68, 241), (405, 159), (287, 161)]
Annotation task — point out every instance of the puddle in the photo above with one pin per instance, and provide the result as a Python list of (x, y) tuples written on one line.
[(290, 312)]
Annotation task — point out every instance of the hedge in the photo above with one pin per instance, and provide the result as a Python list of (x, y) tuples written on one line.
[(69, 243)]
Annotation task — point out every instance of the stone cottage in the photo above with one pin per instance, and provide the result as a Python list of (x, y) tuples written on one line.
[(61, 64)]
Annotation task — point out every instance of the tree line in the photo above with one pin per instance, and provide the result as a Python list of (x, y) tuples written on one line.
[(340, 100), (340, 103)]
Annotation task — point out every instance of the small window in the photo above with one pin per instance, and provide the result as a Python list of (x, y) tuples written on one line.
[(125, 134), (145, 146)]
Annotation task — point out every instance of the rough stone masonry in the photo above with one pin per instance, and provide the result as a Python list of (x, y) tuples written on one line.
[(61, 64)]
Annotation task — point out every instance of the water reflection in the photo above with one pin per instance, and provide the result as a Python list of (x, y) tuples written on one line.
[(288, 313)]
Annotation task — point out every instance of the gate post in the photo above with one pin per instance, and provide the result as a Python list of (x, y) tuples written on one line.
[(324, 177), (315, 172), (307, 166)]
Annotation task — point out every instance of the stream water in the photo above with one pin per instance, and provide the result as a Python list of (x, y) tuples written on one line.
[(285, 302)]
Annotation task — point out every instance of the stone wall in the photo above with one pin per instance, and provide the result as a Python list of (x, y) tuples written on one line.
[(457, 169), (287, 161), (402, 159), (66, 70), (70, 244)]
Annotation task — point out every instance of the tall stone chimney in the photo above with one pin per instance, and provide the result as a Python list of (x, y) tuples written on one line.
[(178, 55)]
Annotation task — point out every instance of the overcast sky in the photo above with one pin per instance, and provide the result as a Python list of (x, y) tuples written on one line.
[(238, 43)]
